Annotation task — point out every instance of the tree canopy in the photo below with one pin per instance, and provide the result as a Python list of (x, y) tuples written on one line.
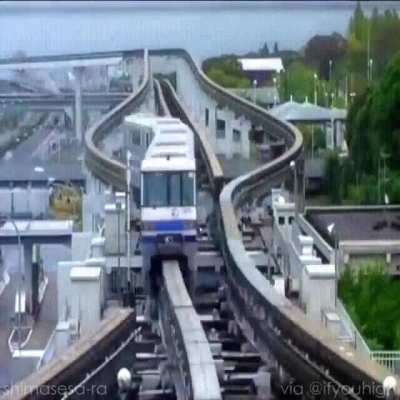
[(371, 297), (226, 71), (373, 124)]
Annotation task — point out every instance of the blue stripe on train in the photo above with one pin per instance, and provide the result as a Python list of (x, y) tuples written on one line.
[(150, 239), (176, 225)]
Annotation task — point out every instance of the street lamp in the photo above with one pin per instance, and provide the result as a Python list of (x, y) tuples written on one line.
[(255, 91), (293, 168), (330, 70), (370, 63), (315, 88), (20, 279), (332, 231), (128, 212), (275, 90)]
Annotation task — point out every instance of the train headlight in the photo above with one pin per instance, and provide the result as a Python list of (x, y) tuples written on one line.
[(168, 239)]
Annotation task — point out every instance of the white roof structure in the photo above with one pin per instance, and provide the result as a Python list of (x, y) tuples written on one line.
[(173, 141), (262, 64), (306, 112)]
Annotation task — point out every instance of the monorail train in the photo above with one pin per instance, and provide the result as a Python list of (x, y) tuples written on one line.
[(168, 190)]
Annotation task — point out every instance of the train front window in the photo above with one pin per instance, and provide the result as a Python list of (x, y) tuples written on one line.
[(174, 189), (187, 188), (168, 189), (155, 189)]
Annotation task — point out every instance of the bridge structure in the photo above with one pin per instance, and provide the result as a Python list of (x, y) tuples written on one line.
[(77, 63), (65, 102), (49, 101), (273, 325)]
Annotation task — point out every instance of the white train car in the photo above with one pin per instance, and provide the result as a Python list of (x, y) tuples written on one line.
[(168, 192)]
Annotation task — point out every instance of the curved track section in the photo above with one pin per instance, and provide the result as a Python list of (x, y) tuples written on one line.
[(271, 321), (213, 167), (161, 105), (102, 166), (195, 375)]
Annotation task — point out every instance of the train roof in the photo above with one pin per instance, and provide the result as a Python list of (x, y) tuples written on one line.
[(172, 147)]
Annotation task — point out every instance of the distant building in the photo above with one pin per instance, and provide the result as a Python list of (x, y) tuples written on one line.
[(262, 69)]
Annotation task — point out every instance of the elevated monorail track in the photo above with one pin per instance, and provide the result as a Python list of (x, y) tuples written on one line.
[(271, 322), (105, 168), (194, 372), (162, 108), (207, 154)]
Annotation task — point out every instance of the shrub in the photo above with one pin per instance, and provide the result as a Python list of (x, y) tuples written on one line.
[(372, 298)]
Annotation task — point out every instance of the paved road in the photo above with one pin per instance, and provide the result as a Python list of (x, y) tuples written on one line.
[(12, 370)]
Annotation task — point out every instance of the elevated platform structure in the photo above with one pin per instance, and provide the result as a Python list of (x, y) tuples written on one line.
[(57, 62)]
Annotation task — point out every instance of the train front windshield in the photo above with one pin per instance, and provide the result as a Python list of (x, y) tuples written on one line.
[(168, 189)]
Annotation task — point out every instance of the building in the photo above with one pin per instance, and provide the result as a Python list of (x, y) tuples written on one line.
[(262, 70)]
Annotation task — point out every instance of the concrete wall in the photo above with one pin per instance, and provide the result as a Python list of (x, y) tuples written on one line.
[(24, 200), (86, 300), (317, 290), (196, 101), (308, 276)]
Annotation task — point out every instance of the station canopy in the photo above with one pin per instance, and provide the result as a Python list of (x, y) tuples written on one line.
[(307, 112)]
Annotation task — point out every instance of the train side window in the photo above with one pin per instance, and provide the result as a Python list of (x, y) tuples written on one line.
[(207, 116), (148, 139), (220, 129), (291, 219), (237, 136), (188, 189), (281, 220), (136, 136)]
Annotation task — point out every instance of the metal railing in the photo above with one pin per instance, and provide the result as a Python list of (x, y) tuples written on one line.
[(389, 359)]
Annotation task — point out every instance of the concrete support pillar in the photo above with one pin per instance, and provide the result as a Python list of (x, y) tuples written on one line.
[(301, 179), (228, 138), (133, 73), (86, 299), (27, 276), (78, 71), (107, 78)]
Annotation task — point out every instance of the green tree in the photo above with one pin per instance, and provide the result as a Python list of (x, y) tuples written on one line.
[(264, 50), (371, 297), (298, 81), (227, 72)]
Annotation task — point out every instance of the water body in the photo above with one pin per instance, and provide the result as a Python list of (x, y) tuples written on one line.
[(205, 29)]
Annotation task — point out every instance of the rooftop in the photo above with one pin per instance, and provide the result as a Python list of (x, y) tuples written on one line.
[(36, 172), (36, 228), (306, 112), (356, 223), (262, 64)]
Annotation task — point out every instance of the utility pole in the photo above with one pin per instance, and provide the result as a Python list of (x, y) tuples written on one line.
[(255, 91), (293, 168), (332, 231), (368, 52), (128, 218), (315, 88)]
